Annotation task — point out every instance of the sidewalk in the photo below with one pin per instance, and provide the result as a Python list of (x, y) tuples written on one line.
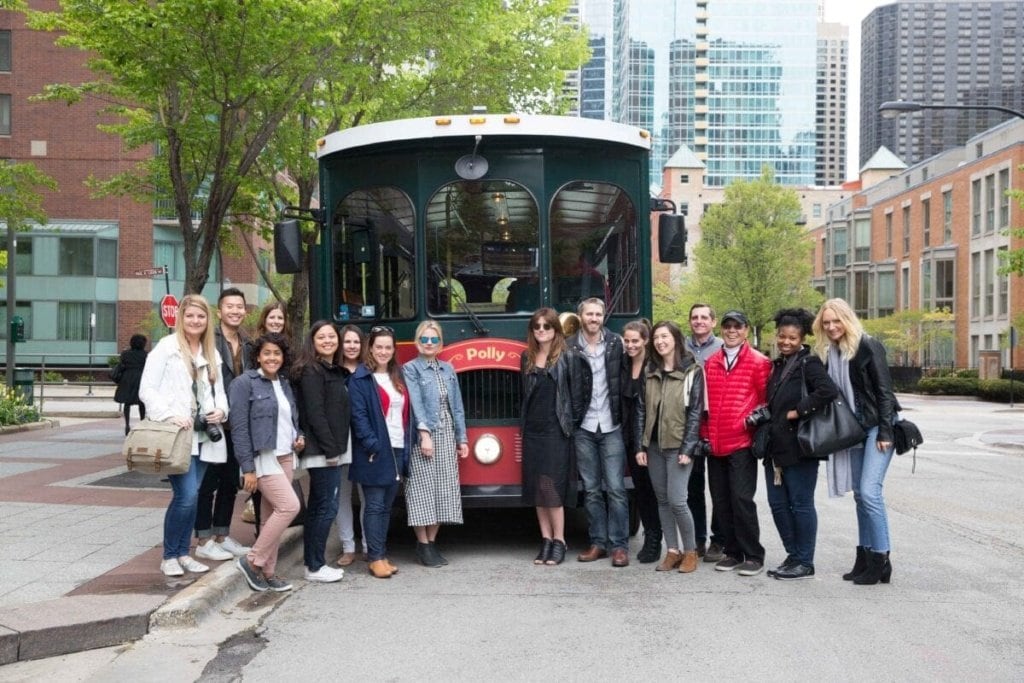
[(81, 539)]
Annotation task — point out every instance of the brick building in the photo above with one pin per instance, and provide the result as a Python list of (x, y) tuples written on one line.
[(82, 262)]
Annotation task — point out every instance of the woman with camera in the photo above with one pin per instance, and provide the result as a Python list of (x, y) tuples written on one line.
[(670, 429), (797, 387), (266, 436), (182, 384), (857, 363)]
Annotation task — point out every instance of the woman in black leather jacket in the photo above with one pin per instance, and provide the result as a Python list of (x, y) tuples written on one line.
[(799, 385), (857, 364)]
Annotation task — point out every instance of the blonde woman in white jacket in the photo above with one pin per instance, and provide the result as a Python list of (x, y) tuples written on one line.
[(182, 379)]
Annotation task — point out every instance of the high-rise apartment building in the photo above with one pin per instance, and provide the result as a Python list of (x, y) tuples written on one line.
[(830, 110), (733, 80), (938, 52)]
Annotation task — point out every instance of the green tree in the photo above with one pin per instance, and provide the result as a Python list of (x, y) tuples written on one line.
[(20, 201), (912, 336), (204, 83), (409, 58), (752, 255)]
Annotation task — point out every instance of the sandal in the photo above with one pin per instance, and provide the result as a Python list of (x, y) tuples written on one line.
[(557, 553), (545, 552)]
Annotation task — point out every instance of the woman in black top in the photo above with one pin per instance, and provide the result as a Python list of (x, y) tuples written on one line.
[(129, 370), (799, 385)]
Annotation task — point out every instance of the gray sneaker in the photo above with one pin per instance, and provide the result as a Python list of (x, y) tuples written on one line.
[(277, 584), (252, 575), (715, 553), (750, 568), (727, 564)]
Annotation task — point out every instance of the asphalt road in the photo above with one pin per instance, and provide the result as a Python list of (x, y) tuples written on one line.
[(952, 612)]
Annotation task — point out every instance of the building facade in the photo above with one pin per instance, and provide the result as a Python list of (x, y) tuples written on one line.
[(938, 52), (830, 107), (76, 286), (931, 236)]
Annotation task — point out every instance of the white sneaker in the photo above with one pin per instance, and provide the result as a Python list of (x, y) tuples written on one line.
[(326, 574), (234, 547), (171, 567), (211, 550), (188, 564)]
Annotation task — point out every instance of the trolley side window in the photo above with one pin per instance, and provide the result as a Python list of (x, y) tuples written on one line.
[(594, 250), (374, 255), (482, 247)]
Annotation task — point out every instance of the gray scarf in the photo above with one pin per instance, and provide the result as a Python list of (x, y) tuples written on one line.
[(838, 471)]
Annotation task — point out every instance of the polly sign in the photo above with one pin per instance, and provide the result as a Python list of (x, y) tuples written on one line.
[(484, 354)]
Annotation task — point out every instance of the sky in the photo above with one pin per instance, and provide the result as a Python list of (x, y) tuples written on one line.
[(851, 13)]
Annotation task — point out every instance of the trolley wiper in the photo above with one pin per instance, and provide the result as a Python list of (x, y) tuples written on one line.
[(621, 289), (474, 318)]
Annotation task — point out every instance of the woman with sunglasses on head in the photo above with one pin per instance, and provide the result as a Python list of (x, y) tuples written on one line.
[(550, 414), (322, 398), (352, 341), (857, 363), (432, 493), (381, 439)]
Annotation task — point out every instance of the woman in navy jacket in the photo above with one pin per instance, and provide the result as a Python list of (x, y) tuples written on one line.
[(380, 441)]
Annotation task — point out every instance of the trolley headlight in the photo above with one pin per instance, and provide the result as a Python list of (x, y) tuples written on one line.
[(487, 449)]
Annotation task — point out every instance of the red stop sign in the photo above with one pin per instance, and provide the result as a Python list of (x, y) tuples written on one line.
[(169, 310)]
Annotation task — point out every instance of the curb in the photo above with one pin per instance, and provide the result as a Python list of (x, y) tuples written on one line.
[(188, 608), (45, 423)]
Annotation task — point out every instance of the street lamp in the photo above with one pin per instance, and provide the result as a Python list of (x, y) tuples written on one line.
[(890, 110)]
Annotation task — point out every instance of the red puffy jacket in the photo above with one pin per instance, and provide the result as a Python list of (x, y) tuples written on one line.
[(732, 395)]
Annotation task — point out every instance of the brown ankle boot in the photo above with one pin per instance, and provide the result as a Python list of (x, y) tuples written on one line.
[(689, 563), (380, 569), (671, 561)]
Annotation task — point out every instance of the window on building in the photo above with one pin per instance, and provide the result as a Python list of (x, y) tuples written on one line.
[(905, 288), (106, 258), (888, 235), (862, 240), (976, 285), (861, 305), (839, 287), (106, 322), (816, 210), (1004, 199), (23, 257), (22, 308), (926, 285), (989, 282), (886, 288), (975, 208), (1003, 299), (947, 216), (73, 320), (906, 230), (926, 219), (172, 255), (839, 248), (5, 114), (76, 256), (5, 50), (684, 178), (945, 279), (990, 203)]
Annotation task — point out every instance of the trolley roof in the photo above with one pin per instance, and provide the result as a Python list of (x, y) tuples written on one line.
[(486, 125)]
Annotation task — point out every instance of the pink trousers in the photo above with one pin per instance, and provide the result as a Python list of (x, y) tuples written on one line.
[(277, 510)]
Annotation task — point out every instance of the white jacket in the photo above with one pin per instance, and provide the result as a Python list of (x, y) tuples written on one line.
[(166, 389)]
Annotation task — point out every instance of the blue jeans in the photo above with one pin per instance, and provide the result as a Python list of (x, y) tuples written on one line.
[(377, 518), (792, 505), (601, 459), (321, 508), (181, 512), (868, 466)]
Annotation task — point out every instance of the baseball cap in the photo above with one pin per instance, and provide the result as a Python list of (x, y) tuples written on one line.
[(736, 316)]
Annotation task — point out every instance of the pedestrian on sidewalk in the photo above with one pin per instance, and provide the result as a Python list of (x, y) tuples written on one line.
[(182, 383), (128, 375), (321, 395), (265, 431)]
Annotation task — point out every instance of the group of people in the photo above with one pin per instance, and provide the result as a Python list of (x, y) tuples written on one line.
[(656, 403), (673, 407)]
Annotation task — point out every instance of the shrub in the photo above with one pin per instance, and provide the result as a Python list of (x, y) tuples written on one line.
[(999, 390), (53, 376), (13, 411), (948, 386)]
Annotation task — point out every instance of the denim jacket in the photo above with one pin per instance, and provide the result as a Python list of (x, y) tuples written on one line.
[(254, 416), (426, 398)]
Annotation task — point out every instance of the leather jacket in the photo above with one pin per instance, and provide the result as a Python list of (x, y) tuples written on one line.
[(570, 403), (676, 401), (583, 379), (634, 409), (876, 404)]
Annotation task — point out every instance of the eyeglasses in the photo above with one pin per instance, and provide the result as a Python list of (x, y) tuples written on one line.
[(732, 326), (430, 340), (382, 329), (543, 326)]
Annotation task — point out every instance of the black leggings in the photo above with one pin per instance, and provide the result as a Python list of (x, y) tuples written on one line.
[(128, 412)]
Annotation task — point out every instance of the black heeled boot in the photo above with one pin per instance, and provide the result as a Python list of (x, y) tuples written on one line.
[(651, 550), (878, 569), (437, 553), (425, 555), (859, 565)]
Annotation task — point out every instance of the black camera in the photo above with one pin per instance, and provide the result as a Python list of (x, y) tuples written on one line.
[(759, 416), (212, 431)]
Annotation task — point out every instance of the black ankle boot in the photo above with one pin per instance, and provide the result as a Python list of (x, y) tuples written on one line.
[(878, 569), (437, 553), (425, 554), (651, 550), (859, 564)]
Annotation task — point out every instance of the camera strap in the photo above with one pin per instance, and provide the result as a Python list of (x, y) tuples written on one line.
[(786, 372)]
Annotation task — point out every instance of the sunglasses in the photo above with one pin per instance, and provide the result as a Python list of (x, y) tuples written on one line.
[(543, 326), (382, 329), (430, 340)]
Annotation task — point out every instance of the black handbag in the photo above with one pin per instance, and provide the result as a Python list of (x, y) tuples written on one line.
[(906, 436), (833, 428)]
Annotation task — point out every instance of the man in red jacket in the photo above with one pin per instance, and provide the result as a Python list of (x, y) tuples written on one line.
[(736, 379)]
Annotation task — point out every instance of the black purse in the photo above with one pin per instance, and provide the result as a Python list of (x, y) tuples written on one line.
[(833, 428), (906, 436)]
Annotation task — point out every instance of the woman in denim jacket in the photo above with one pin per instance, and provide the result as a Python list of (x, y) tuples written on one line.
[(432, 493), (263, 402)]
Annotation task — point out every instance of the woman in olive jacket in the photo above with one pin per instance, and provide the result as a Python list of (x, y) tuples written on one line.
[(799, 385)]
